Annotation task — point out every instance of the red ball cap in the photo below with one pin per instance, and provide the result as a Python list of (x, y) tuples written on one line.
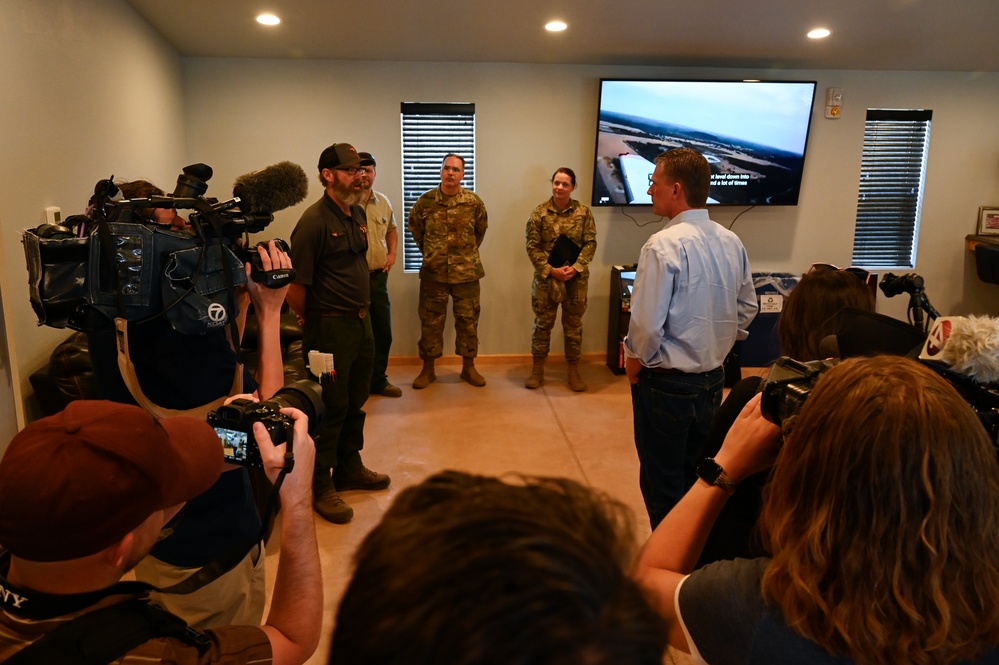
[(77, 482)]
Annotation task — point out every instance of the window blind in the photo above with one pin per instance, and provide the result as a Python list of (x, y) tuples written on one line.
[(429, 132), (892, 173)]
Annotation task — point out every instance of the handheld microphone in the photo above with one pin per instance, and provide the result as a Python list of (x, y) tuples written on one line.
[(270, 189), (966, 345)]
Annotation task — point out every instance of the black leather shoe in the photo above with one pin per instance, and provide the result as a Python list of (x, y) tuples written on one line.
[(361, 478)]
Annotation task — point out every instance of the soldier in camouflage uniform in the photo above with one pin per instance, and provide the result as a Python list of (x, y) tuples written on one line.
[(566, 284), (448, 224)]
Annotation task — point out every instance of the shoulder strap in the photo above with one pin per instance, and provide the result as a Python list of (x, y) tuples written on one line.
[(102, 636), (127, 370)]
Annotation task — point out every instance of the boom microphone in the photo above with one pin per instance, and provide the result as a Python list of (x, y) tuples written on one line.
[(966, 345), (271, 189)]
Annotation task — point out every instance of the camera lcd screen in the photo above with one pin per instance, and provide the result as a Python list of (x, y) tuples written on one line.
[(234, 444)]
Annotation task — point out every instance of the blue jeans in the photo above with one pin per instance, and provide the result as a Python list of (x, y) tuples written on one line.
[(673, 414)]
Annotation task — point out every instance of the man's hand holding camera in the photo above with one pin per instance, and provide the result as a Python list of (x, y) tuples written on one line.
[(274, 458), (273, 259), (267, 301)]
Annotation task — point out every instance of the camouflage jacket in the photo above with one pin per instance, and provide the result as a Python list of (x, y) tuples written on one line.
[(448, 232), (546, 224)]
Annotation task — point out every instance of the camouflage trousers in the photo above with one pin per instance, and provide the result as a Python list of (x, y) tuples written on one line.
[(433, 314), (546, 310)]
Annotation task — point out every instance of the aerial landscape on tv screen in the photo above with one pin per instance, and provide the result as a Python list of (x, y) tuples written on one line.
[(754, 144)]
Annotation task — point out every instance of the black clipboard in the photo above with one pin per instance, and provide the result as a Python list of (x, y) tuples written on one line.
[(564, 252)]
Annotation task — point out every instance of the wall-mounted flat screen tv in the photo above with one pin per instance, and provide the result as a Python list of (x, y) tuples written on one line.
[(753, 133)]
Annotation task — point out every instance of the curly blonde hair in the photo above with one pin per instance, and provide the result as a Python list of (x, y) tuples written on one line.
[(883, 518)]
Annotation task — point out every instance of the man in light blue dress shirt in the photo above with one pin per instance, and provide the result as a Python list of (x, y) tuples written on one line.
[(693, 298)]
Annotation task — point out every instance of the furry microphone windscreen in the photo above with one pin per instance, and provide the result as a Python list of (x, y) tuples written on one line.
[(968, 345), (270, 189)]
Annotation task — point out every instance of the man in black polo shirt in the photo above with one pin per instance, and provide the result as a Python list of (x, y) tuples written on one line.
[(331, 295)]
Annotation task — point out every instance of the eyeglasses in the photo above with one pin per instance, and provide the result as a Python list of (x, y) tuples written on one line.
[(864, 275), (453, 169), (350, 170)]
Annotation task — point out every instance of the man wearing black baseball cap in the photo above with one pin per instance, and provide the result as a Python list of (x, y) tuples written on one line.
[(331, 295), (84, 495)]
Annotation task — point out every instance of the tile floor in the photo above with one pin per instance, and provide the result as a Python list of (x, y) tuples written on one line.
[(500, 428)]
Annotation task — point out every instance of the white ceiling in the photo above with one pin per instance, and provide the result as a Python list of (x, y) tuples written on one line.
[(918, 35)]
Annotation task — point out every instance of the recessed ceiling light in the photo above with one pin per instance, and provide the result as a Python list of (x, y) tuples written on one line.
[(268, 19), (818, 33), (555, 26)]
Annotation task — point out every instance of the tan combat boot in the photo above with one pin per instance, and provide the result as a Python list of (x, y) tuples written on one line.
[(575, 382), (426, 376), (469, 374), (537, 376)]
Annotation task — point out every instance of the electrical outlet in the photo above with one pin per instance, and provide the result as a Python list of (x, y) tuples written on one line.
[(53, 215)]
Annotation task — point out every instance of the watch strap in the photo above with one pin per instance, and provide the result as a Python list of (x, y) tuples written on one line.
[(726, 483), (713, 474)]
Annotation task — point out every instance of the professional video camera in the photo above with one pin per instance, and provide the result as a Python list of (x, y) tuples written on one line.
[(233, 422), (787, 387), (113, 263), (963, 350)]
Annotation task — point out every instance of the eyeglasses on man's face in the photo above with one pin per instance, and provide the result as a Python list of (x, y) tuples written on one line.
[(350, 170)]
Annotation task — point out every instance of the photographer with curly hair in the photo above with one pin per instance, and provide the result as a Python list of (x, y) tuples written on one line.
[(467, 569), (882, 516)]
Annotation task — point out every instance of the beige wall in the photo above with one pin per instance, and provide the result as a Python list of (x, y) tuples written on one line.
[(530, 119), (89, 90)]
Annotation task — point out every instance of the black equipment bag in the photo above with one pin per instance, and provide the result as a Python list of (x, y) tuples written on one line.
[(57, 278)]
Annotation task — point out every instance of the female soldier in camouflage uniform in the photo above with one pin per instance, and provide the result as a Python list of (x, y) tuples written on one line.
[(566, 284)]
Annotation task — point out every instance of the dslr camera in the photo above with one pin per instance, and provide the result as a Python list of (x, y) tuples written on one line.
[(788, 386), (233, 422)]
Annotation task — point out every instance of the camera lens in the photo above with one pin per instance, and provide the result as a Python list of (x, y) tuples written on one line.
[(304, 395)]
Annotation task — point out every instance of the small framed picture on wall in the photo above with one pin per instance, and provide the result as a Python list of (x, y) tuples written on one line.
[(988, 221)]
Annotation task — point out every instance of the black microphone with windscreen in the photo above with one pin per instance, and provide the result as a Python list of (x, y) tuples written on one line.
[(270, 189)]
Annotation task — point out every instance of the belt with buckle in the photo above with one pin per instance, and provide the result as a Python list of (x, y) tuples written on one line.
[(348, 313)]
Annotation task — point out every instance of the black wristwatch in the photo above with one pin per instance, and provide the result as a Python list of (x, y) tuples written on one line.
[(711, 472)]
